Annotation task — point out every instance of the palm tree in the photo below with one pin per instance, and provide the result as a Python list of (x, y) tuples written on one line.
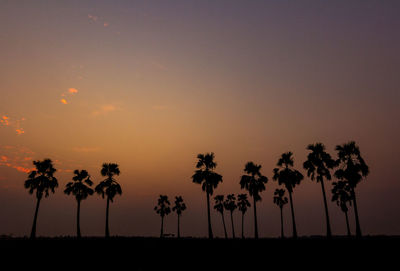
[(318, 165), (254, 182), (289, 177), (109, 187), (42, 181), (230, 205), (179, 207), (341, 194), (243, 204), (208, 179), (80, 188), (280, 200), (352, 169), (219, 206), (163, 209)]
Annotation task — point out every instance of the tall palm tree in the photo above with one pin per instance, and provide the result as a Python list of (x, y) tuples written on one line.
[(219, 206), (109, 187), (352, 169), (289, 177), (341, 194), (42, 182), (208, 179), (254, 182), (280, 200), (80, 188), (230, 205), (243, 204), (163, 209), (318, 165), (179, 207)]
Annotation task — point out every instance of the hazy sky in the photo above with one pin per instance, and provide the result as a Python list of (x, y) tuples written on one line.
[(150, 84)]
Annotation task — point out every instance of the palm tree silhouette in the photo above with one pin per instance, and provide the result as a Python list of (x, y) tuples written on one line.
[(243, 204), (109, 187), (254, 182), (209, 180), (289, 177), (179, 207), (80, 188), (42, 181), (219, 206), (352, 169), (341, 194), (318, 165), (280, 200), (230, 205), (163, 209)]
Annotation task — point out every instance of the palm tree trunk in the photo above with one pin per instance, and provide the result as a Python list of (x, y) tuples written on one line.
[(242, 225), (347, 224), (255, 220), (282, 235), (328, 224), (358, 228), (233, 227), (223, 223), (78, 227), (33, 232), (107, 209), (179, 232), (210, 234), (162, 227), (293, 219)]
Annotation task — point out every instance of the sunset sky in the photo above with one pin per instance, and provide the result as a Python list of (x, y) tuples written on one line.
[(150, 84)]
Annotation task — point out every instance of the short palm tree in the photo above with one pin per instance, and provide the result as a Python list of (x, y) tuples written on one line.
[(163, 209), (179, 207), (42, 182), (341, 194), (254, 182), (289, 177), (208, 179), (280, 200), (318, 165), (80, 188), (109, 188), (352, 169), (230, 205), (243, 204), (219, 206)]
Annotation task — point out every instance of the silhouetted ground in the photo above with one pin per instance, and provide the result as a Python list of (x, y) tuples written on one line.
[(139, 253)]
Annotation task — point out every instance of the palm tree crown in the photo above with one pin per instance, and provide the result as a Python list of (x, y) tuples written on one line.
[(279, 198), (341, 195), (318, 163), (80, 187), (219, 203), (243, 203), (109, 187), (285, 174), (42, 179), (180, 206), (163, 206), (254, 182), (230, 202), (205, 174)]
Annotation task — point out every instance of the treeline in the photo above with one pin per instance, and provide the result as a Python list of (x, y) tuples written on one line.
[(349, 168)]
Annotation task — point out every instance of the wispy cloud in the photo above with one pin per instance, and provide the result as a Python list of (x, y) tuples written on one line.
[(18, 158), (13, 123), (97, 19), (105, 109), (70, 92)]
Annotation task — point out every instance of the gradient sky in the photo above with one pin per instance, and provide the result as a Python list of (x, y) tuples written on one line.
[(150, 84)]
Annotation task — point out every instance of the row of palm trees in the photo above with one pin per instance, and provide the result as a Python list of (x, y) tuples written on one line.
[(163, 209), (349, 169), (42, 181)]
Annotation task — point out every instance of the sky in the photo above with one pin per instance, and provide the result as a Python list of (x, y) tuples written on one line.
[(151, 84)]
